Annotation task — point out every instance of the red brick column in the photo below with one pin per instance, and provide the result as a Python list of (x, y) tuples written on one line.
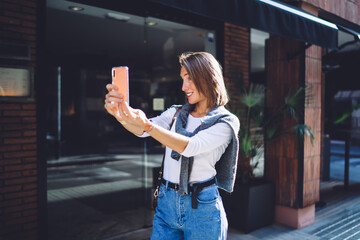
[(236, 63), (282, 154), (313, 118), (18, 144), (294, 167)]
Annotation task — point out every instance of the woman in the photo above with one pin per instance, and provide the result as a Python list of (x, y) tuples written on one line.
[(201, 151)]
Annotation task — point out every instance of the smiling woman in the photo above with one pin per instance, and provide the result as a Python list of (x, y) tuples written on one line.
[(201, 150), (207, 85)]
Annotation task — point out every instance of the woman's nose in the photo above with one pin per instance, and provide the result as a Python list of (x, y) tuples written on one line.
[(184, 86)]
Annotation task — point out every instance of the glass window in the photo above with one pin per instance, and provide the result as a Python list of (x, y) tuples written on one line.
[(100, 177), (257, 76)]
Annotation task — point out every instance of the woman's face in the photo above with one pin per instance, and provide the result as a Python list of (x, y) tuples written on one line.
[(192, 94)]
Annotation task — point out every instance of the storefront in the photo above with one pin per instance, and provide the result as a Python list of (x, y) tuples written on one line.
[(89, 177), (99, 176)]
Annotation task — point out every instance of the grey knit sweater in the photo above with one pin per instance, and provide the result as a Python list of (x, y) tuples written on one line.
[(226, 166)]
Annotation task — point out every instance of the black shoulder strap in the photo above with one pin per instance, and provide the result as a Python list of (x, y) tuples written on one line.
[(162, 164), (173, 119)]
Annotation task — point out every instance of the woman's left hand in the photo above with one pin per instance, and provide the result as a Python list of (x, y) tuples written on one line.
[(138, 119), (135, 117)]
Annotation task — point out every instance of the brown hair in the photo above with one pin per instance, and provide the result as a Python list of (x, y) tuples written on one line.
[(205, 71)]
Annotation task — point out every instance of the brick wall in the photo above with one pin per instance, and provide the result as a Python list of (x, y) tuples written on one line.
[(282, 154), (346, 9), (236, 63), (284, 164), (313, 118), (18, 135)]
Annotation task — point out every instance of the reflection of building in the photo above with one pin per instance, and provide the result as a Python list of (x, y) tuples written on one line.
[(345, 114), (148, 37)]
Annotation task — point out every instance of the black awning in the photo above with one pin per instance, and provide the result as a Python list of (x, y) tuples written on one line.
[(266, 15)]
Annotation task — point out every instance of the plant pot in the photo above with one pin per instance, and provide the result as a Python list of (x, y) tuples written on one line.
[(250, 206)]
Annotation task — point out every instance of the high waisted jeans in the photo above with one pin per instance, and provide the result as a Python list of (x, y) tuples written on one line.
[(176, 219)]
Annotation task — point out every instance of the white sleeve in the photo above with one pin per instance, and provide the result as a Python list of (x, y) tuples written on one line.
[(163, 120), (208, 139)]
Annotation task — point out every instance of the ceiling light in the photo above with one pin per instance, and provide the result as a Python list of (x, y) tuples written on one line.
[(151, 23), (118, 17), (76, 8)]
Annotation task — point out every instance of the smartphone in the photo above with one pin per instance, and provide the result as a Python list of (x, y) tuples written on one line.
[(120, 78)]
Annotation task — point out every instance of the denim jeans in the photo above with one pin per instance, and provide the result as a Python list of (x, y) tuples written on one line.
[(176, 219)]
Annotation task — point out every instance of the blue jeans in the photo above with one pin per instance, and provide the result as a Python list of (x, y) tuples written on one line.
[(176, 219)]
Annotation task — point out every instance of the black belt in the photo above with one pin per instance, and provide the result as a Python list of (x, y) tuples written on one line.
[(194, 189)]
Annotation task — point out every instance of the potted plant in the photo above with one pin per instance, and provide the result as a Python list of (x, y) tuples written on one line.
[(251, 205)]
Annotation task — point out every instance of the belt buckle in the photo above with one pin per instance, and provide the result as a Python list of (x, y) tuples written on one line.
[(176, 187)]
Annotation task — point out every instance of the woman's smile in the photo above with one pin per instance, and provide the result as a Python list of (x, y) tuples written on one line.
[(192, 93)]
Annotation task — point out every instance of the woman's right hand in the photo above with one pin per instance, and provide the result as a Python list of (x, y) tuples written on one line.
[(112, 102), (112, 105)]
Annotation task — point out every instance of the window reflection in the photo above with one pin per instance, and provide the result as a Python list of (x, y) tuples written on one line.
[(258, 76), (100, 177)]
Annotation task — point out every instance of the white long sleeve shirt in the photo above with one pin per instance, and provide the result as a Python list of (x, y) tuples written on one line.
[(206, 147)]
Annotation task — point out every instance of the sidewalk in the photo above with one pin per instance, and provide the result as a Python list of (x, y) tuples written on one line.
[(340, 219), (78, 186)]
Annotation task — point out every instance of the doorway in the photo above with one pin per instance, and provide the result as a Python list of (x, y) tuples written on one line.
[(99, 175)]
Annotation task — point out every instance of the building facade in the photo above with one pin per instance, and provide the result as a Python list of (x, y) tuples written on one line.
[(30, 152)]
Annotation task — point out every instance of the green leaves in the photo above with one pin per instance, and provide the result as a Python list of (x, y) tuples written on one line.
[(294, 102), (253, 99), (347, 114), (254, 96), (262, 126), (295, 99), (245, 145), (271, 132), (301, 130)]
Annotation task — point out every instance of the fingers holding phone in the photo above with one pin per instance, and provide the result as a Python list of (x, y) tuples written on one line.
[(117, 91), (135, 117), (112, 99)]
